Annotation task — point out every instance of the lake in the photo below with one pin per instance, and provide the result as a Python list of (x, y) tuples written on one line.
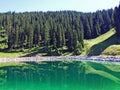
[(59, 75)]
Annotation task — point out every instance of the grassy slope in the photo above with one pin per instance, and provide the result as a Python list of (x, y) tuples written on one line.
[(97, 45), (112, 50), (13, 54)]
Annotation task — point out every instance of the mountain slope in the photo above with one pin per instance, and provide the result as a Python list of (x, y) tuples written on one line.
[(97, 45), (112, 50)]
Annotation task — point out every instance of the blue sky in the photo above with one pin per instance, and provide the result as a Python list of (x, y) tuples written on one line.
[(56, 5)]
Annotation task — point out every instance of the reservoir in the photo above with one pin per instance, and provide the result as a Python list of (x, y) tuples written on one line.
[(59, 75)]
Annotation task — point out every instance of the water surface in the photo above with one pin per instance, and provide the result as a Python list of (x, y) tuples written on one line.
[(60, 75)]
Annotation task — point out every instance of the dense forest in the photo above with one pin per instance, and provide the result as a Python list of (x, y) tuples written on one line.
[(53, 29), (117, 20)]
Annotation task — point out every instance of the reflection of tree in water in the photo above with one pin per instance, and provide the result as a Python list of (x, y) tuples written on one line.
[(54, 74), (3, 77)]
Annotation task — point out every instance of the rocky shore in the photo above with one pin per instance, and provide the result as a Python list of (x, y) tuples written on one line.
[(63, 58)]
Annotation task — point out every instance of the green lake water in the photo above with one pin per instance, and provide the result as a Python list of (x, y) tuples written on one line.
[(65, 75)]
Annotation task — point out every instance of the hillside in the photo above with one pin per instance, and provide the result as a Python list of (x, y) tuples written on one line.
[(60, 33), (97, 45), (112, 50), (92, 47), (52, 30)]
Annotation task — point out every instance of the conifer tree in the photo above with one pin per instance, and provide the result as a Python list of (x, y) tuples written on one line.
[(117, 20)]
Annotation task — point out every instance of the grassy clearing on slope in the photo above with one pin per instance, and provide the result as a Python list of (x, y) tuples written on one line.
[(33, 52), (26, 52), (112, 50), (100, 41), (11, 54)]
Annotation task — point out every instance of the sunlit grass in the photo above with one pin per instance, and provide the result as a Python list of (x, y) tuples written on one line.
[(91, 42), (14, 54), (112, 50)]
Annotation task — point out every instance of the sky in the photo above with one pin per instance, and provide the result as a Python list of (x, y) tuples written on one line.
[(56, 5)]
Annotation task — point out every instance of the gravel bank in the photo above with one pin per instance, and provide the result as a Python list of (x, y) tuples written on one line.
[(61, 58)]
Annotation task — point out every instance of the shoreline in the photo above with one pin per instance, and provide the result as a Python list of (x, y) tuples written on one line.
[(62, 58)]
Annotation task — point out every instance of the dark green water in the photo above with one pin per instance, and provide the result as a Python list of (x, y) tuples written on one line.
[(60, 76)]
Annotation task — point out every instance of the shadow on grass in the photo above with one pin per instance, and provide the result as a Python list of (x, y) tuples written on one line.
[(99, 48), (34, 52), (7, 51)]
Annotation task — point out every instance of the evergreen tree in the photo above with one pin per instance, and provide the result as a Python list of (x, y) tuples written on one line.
[(56, 29), (117, 20), (3, 38)]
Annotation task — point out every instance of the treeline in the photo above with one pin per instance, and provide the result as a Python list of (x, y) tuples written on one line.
[(117, 21), (55, 29)]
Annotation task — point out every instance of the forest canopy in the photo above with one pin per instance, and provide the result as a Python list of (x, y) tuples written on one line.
[(53, 29)]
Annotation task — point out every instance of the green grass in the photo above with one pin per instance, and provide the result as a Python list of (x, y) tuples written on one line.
[(11, 54), (97, 45), (112, 50), (26, 52), (14, 54)]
